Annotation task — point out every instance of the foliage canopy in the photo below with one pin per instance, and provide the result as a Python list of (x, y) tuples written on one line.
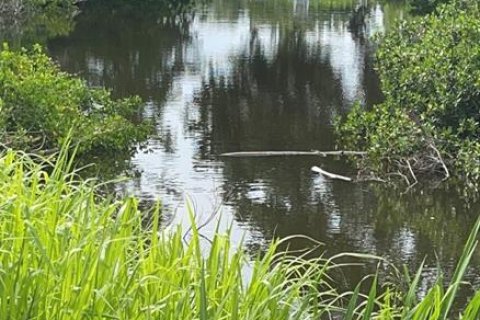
[(39, 105), (430, 74), (425, 6)]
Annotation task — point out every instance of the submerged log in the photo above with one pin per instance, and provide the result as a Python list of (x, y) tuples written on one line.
[(330, 175), (292, 153)]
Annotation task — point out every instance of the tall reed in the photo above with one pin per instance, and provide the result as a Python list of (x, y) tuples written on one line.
[(68, 253)]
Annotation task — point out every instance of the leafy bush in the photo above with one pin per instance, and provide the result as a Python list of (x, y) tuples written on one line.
[(430, 74), (422, 7), (40, 105)]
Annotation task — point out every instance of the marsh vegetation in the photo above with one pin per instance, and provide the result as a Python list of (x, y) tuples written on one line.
[(165, 88), (69, 253)]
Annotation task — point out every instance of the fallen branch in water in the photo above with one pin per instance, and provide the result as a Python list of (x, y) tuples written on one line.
[(330, 175), (359, 178), (292, 153)]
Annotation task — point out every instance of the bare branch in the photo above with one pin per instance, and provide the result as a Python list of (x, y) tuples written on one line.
[(292, 153), (440, 159), (411, 172)]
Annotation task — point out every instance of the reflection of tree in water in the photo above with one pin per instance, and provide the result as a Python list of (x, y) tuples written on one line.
[(287, 95), (36, 25), (286, 100), (281, 102), (131, 50), (276, 199)]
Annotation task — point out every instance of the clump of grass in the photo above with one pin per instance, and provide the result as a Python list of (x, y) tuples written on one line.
[(68, 253)]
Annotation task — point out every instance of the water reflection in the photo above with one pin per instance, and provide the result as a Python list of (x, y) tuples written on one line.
[(131, 51), (261, 75), (28, 26)]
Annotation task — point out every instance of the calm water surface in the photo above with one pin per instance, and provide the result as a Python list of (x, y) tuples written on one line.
[(261, 75)]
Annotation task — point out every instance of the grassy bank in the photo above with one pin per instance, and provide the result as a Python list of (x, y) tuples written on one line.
[(68, 253)]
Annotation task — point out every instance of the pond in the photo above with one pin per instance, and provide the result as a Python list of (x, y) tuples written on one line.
[(237, 75)]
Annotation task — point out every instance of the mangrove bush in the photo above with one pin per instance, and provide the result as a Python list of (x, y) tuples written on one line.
[(40, 104), (429, 122), (421, 7)]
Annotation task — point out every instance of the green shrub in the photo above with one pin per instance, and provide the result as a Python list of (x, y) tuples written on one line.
[(422, 7), (41, 104), (430, 74)]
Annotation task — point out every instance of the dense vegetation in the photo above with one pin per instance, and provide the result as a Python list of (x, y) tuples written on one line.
[(24, 23), (68, 253), (39, 105), (425, 6), (429, 122)]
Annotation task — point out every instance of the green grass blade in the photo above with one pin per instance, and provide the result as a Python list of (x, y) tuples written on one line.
[(462, 265), (352, 304), (372, 296)]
